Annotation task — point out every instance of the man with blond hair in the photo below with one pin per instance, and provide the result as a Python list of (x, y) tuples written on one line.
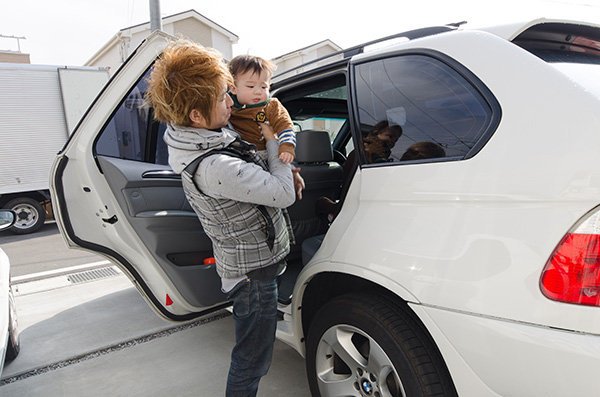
[(239, 200)]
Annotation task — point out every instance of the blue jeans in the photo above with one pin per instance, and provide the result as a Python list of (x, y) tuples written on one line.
[(255, 315)]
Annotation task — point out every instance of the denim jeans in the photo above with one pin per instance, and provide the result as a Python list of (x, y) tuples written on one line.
[(255, 315)]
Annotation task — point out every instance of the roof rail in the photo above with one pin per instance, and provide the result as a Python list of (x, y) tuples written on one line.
[(358, 49)]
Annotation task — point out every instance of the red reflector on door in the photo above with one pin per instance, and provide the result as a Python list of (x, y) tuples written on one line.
[(209, 261), (168, 301)]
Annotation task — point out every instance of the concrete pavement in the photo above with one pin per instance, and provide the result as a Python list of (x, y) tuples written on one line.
[(99, 338)]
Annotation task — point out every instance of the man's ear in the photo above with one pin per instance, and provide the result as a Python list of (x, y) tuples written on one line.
[(197, 119)]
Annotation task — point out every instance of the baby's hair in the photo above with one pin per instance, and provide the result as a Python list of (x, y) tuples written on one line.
[(250, 63), (383, 125), (423, 150)]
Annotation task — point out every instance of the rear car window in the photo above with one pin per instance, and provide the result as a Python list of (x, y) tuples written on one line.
[(572, 49), (562, 42), (442, 115)]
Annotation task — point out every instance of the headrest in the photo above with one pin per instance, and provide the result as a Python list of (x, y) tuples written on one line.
[(313, 146)]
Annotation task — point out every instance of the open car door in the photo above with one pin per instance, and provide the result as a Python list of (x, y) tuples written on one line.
[(114, 194)]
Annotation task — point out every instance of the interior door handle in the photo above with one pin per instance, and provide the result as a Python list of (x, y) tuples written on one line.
[(112, 220), (161, 174)]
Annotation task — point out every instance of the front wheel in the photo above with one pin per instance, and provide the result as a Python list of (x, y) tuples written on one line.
[(30, 215), (363, 345)]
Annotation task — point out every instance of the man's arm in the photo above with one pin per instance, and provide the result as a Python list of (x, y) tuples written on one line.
[(223, 176)]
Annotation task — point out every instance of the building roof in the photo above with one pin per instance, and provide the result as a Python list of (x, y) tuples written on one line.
[(184, 15), (314, 46), (165, 20)]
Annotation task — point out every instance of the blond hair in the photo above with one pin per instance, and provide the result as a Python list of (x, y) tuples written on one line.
[(187, 76)]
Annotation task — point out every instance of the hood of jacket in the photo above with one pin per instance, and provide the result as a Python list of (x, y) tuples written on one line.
[(187, 143)]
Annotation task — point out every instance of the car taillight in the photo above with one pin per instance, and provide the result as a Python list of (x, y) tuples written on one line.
[(572, 274)]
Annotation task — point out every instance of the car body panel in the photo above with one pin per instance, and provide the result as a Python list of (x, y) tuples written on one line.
[(4, 304), (454, 236), (480, 348), (8, 317), (476, 208)]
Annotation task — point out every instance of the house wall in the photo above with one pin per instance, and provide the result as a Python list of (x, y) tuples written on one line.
[(288, 64), (110, 59), (321, 52), (223, 44), (298, 58), (14, 57), (191, 29)]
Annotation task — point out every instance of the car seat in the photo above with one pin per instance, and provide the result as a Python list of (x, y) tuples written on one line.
[(322, 177)]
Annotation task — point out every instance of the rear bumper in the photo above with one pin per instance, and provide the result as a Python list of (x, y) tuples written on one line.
[(489, 357)]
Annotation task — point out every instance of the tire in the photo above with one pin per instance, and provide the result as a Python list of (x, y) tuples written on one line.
[(30, 215), (14, 338), (362, 345)]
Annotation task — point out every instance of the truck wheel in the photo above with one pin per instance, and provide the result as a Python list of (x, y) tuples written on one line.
[(30, 215), (363, 345)]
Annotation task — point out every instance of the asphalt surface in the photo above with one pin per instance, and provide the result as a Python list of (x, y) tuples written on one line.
[(44, 250), (90, 333)]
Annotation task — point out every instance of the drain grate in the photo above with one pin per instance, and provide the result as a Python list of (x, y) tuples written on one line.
[(92, 275)]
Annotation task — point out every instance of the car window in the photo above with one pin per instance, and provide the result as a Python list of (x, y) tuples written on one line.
[(318, 105), (562, 42), (417, 107), (131, 133), (127, 133)]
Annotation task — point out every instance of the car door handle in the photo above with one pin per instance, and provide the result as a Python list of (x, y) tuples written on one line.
[(161, 174), (112, 220)]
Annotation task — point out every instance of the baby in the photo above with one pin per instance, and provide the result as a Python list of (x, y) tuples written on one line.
[(253, 105)]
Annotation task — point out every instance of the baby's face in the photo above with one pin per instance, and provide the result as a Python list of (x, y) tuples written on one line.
[(252, 88)]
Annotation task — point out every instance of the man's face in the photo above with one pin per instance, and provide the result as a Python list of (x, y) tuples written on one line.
[(251, 88), (221, 110)]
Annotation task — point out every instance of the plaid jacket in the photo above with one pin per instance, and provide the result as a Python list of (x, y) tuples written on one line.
[(245, 236)]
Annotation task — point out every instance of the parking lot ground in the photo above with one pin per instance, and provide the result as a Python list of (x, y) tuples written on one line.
[(99, 338)]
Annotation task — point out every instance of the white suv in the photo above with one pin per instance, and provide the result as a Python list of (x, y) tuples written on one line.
[(465, 258)]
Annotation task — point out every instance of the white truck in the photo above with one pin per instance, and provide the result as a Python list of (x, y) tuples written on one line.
[(40, 105)]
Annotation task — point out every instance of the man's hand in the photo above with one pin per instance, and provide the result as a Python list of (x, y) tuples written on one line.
[(298, 182), (267, 131)]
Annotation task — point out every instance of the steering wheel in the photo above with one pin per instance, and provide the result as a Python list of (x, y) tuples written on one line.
[(339, 157)]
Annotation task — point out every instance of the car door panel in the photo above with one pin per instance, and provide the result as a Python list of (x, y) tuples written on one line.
[(133, 212), (161, 216)]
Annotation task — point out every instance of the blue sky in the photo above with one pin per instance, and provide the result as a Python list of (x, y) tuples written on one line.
[(69, 32)]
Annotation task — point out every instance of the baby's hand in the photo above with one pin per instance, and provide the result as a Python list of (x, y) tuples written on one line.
[(286, 157)]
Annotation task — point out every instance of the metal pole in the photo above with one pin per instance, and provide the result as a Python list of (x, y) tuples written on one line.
[(18, 38), (155, 19)]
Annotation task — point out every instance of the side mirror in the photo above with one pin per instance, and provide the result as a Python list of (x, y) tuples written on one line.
[(7, 219)]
